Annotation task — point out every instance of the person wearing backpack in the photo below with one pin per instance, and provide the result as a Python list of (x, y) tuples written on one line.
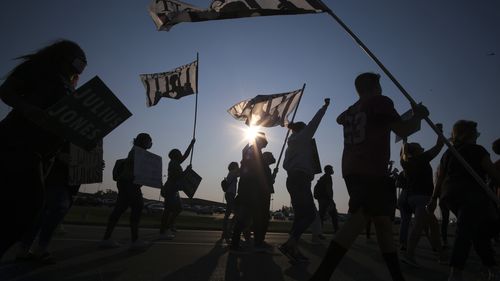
[(129, 195), (323, 192), (229, 185)]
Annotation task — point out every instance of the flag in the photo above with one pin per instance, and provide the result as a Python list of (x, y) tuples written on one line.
[(266, 110), (174, 84), (167, 13)]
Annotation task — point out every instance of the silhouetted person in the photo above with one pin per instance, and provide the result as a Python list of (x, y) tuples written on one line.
[(41, 80), (496, 186), (474, 210), (367, 127), (323, 191), (300, 163), (229, 195), (58, 201), (129, 195), (261, 214), (170, 191), (251, 188), (420, 184)]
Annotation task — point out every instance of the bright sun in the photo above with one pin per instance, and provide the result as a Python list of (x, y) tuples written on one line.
[(251, 133)]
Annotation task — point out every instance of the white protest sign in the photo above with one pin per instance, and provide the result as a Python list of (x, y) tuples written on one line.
[(147, 168)]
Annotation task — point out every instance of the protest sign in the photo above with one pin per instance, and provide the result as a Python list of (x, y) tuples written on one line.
[(147, 168), (85, 166)]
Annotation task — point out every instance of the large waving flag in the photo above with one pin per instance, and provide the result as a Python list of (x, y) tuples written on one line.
[(174, 84), (266, 110), (167, 13)]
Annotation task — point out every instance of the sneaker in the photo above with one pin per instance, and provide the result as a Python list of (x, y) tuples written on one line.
[(321, 236), (410, 261), (109, 244), (139, 245)]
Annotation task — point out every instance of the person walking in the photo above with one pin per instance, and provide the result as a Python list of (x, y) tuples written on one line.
[(299, 163), (170, 191), (323, 192), (229, 195), (367, 126), (41, 80), (474, 210), (129, 196)]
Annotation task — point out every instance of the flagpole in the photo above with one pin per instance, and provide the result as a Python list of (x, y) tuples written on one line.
[(195, 108), (275, 170), (455, 153)]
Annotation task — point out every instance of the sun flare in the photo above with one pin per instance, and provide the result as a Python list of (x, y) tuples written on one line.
[(251, 133)]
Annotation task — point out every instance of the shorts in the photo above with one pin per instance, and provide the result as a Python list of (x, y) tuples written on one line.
[(376, 195)]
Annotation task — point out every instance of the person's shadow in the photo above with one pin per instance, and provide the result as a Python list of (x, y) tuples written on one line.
[(253, 266), (202, 269)]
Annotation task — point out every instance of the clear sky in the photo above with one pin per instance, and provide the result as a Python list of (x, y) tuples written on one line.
[(445, 53)]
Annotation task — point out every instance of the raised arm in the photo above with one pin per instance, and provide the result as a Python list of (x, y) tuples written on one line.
[(434, 151), (188, 150), (313, 125)]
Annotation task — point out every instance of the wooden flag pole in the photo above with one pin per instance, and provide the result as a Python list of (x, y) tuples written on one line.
[(195, 108), (455, 153), (275, 170)]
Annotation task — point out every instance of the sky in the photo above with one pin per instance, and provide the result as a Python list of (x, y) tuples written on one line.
[(446, 54)]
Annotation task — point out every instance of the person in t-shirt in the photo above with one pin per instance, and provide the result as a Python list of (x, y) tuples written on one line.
[(475, 211), (230, 194), (367, 127), (299, 164), (420, 185), (170, 191), (41, 80), (323, 192), (129, 195)]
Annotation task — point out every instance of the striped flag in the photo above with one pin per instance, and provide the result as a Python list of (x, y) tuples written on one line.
[(266, 110), (174, 84), (167, 13)]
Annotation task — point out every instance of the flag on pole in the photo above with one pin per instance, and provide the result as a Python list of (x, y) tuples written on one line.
[(173, 84), (266, 110), (167, 13)]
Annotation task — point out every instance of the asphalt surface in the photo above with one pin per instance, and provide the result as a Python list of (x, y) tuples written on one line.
[(200, 255)]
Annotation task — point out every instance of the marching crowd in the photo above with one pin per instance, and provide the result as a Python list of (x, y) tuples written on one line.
[(34, 165)]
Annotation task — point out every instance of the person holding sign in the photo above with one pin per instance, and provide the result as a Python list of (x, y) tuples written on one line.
[(129, 195), (170, 191), (41, 80)]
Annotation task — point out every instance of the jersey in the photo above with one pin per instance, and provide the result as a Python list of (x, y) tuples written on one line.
[(367, 136)]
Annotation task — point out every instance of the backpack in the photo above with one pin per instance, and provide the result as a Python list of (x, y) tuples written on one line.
[(118, 169), (224, 184), (318, 189)]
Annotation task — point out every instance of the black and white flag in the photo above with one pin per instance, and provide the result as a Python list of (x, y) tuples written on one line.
[(167, 13), (174, 84), (266, 110)]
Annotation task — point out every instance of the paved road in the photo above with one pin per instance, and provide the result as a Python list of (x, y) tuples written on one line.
[(197, 255)]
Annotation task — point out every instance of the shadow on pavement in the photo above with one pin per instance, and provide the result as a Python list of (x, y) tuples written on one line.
[(202, 269), (252, 266)]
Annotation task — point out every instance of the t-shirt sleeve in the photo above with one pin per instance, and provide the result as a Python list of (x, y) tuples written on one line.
[(384, 110)]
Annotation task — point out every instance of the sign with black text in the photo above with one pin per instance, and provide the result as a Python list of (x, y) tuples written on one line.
[(413, 128), (88, 115)]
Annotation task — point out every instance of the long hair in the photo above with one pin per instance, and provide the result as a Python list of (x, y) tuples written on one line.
[(64, 57)]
